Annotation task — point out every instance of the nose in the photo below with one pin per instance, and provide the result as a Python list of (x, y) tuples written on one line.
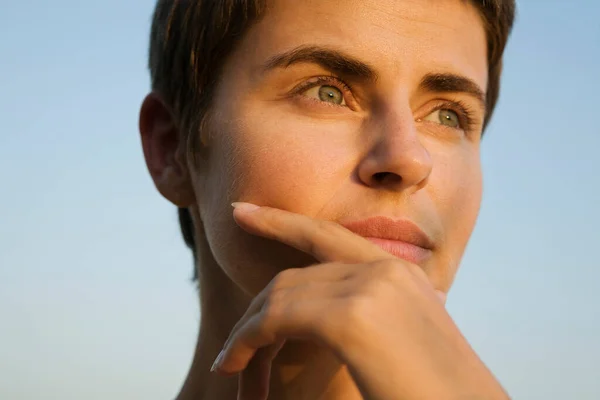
[(397, 160)]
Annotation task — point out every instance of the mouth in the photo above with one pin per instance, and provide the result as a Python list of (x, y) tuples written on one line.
[(401, 238)]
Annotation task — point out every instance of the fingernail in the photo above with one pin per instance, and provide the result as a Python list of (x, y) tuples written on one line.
[(245, 207), (217, 362)]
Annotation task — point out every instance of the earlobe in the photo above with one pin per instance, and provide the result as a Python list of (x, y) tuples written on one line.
[(161, 142)]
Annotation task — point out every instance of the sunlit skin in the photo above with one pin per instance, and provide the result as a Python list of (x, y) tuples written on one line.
[(334, 111)]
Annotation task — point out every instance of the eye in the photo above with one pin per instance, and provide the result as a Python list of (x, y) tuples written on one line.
[(327, 94), (445, 117)]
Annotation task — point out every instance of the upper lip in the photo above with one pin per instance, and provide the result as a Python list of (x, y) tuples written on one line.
[(386, 228)]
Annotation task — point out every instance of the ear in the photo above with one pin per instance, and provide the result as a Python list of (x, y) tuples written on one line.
[(165, 152)]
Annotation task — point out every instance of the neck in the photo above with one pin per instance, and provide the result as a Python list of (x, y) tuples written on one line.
[(301, 371)]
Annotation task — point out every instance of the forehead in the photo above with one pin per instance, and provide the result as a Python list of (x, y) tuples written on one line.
[(398, 37)]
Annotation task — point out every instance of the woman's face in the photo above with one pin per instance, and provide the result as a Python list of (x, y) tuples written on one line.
[(343, 110)]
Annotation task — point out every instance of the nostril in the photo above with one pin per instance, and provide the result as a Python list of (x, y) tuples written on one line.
[(382, 176)]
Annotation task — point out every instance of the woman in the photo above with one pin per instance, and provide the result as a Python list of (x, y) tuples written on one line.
[(348, 135)]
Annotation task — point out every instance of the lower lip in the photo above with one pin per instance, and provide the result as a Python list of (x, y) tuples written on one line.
[(406, 251)]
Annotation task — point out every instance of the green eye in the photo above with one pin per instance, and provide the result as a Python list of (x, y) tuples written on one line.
[(445, 117), (449, 118), (327, 94), (331, 94)]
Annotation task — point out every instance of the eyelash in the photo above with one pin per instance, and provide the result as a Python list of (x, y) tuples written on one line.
[(329, 80), (465, 113)]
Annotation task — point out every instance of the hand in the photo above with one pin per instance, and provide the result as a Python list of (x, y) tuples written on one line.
[(379, 314)]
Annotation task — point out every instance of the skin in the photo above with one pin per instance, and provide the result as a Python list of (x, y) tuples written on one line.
[(383, 151)]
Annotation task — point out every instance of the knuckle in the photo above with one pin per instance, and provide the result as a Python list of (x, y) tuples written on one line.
[(397, 275), (415, 270), (326, 227), (282, 279), (373, 285), (357, 310), (382, 277), (270, 222), (323, 231), (274, 304), (390, 270)]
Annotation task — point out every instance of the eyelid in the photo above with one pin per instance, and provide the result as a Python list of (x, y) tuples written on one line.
[(466, 114), (329, 80)]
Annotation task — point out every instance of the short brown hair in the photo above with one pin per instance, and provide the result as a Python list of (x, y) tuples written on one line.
[(190, 41)]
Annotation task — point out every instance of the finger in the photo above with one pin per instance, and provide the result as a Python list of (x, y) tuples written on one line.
[(300, 287), (314, 274), (254, 380), (327, 241), (309, 280), (296, 313), (254, 308), (243, 345)]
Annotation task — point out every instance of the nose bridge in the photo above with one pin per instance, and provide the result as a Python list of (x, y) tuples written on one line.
[(394, 120), (398, 158), (396, 125)]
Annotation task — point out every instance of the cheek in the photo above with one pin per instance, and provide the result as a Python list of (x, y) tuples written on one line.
[(456, 184), (454, 189), (292, 165), (275, 165)]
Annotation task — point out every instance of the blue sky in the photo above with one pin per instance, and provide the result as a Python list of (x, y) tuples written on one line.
[(95, 296)]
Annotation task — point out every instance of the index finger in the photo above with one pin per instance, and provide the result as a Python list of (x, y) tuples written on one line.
[(327, 241)]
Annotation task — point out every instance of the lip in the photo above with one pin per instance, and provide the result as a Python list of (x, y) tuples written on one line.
[(401, 238)]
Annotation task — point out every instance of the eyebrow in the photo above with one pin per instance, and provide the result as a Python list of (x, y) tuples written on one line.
[(346, 65), (332, 60), (452, 83)]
